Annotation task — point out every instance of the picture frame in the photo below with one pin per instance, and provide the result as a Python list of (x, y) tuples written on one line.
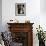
[(20, 9)]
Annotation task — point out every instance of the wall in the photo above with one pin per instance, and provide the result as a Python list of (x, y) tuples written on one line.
[(43, 6), (33, 13), (0, 15), (43, 14)]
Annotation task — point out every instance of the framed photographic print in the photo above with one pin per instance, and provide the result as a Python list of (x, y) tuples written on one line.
[(20, 9)]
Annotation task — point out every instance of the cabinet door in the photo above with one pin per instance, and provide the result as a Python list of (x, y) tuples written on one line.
[(20, 37)]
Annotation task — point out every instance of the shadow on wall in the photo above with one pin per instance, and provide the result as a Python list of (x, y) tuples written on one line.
[(0, 15)]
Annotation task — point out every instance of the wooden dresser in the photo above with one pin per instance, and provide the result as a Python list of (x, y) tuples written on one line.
[(22, 33)]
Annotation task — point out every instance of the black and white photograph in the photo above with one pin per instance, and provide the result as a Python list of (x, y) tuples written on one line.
[(20, 9)]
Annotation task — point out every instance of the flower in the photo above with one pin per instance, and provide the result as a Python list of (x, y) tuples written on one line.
[(40, 33)]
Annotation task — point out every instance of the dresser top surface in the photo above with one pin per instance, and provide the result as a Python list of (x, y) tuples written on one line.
[(19, 23)]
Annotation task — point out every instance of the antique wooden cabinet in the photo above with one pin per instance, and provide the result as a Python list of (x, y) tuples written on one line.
[(22, 33)]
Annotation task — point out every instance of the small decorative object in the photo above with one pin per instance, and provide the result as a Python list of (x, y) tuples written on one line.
[(27, 21), (14, 21), (41, 36), (20, 9), (11, 20)]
